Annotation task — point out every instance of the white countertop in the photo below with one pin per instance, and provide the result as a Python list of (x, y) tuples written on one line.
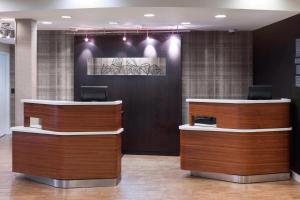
[(63, 103), (237, 101), (188, 127), (46, 132)]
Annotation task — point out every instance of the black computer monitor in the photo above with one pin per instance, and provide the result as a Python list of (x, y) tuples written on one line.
[(260, 92), (93, 93)]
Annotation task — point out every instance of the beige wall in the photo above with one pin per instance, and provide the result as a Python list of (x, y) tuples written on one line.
[(25, 65)]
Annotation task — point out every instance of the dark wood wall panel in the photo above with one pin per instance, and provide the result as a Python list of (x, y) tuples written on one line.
[(67, 157), (235, 153), (152, 104), (274, 64)]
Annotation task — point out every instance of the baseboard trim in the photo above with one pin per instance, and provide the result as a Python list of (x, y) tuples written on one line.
[(296, 176), (244, 179), (66, 184)]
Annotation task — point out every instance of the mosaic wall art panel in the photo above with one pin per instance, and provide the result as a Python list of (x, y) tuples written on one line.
[(127, 66)]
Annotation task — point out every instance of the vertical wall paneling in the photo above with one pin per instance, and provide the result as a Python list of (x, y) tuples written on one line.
[(216, 64), (55, 65)]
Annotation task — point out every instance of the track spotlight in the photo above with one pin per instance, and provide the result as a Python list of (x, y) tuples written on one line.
[(148, 38), (124, 37), (86, 39)]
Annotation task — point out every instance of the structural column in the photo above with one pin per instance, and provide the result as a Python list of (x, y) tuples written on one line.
[(25, 65)]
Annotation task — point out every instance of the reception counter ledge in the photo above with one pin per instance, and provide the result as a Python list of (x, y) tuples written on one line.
[(69, 156), (243, 114), (246, 146), (68, 116)]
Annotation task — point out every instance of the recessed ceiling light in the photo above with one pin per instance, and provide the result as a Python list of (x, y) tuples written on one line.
[(185, 23), (149, 15), (220, 16), (66, 17), (46, 22), (7, 19), (113, 23)]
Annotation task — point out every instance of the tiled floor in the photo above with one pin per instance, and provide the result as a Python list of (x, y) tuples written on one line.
[(145, 178)]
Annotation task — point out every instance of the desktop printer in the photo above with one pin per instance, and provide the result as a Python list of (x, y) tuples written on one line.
[(204, 121)]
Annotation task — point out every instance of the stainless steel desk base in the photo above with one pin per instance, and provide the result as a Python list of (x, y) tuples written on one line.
[(243, 179), (75, 183)]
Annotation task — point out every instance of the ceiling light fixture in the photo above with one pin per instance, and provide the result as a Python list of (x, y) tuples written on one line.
[(148, 38), (7, 19), (66, 17), (86, 28), (113, 23), (46, 22), (149, 15), (220, 16), (124, 37), (185, 23), (232, 30), (86, 39)]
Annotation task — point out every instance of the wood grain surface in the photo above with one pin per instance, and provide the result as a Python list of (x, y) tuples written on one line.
[(67, 157), (235, 153), (244, 116), (70, 118), (143, 178)]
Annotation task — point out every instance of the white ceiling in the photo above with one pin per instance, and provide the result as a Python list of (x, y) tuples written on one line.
[(96, 14), (20, 5), (165, 18)]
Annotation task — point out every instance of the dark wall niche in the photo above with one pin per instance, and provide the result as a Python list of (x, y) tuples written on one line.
[(152, 104), (274, 64)]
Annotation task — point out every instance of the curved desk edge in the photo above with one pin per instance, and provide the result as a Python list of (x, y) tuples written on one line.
[(238, 101), (46, 132), (188, 127), (73, 103)]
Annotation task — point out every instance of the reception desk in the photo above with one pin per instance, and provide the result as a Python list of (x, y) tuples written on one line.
[(76, 144), (74, 116), (250, 142)]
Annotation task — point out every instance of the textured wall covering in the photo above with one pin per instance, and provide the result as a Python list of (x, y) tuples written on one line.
[(55, 64), (215, 65)]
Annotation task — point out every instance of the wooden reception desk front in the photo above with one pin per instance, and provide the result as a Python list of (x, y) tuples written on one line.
[(250, 142), (77, 144)]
